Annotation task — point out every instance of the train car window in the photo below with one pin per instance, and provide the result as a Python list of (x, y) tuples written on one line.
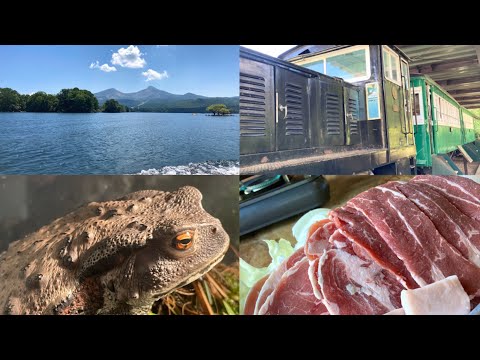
[(352, 64), (418, 111), (467, 121), (406, 74), (318, 66), (417, 104), (436, 102), (348, 66), (446, 113), (391, 65)]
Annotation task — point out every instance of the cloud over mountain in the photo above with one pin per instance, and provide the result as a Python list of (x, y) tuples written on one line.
[(130, 57)]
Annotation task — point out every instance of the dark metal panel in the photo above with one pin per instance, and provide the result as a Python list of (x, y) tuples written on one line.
[(331, 100), (257, 107), (351, 102), (293, 113)]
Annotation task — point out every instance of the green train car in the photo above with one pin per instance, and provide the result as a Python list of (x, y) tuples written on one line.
[(440, 123), (468, 124)]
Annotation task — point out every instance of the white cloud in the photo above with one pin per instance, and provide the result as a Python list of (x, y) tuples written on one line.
[(154, 75), (130, 57), (272, 50), (104, 67)]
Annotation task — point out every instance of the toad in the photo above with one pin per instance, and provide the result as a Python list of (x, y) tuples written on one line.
[(115, 257)]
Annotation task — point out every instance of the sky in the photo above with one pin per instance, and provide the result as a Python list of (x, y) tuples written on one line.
[(272, 50), (178, 69)]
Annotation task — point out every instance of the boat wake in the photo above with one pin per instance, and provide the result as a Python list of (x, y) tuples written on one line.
[(224, 167)]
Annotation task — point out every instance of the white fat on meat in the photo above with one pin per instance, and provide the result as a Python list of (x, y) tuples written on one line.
[(458, 229), (362, 280), (312, 276), (396, 312), (444, 297)]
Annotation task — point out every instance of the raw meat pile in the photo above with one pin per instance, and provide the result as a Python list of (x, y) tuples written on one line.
[(397, 236)]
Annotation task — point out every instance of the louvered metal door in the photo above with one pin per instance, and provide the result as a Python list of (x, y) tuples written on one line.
[(351, 101), (333, 126), (292, 110), (257, 107)]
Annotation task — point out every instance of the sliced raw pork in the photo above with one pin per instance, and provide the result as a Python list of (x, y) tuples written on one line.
[(458, 229), (394, 238), (294, 294), (317, 241), (357, 228), (271, 283), (414, 239), (353, 286), (252, 296), (462, 192)]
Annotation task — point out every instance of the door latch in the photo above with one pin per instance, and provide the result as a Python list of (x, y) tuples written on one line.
[(284, 108)]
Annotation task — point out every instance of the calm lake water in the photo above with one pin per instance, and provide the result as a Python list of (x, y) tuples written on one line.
[(125, 143)]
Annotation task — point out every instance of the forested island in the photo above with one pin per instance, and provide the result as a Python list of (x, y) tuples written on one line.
[(66, 101)]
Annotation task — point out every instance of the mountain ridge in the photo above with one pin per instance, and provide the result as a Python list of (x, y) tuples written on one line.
[(152, 99)]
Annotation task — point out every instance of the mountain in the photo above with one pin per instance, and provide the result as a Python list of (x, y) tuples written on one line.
[(152, 99)]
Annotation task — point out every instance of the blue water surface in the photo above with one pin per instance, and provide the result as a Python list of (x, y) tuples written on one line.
[(124, 143)]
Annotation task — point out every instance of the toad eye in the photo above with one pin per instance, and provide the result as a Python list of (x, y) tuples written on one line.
[(183, 240)]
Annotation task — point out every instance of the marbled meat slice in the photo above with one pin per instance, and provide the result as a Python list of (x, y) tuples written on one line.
[(458, 229), (462, 192), (357, 228), (414, 239), (317, 242), (252, 296), (294, 294), (354, 286), (271, 283)]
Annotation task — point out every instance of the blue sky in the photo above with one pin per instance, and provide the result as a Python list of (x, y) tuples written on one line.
[(200, 69), (272, 50)]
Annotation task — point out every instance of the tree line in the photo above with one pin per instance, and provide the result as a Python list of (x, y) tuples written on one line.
[(66, 101)]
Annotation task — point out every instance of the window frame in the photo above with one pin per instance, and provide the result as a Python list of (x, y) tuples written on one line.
[(419, 119), (470, 121), (398, 67), (449, 114), (350, 49)]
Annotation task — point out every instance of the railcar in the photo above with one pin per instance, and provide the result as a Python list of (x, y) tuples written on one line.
[(441, 125), (326, 110)]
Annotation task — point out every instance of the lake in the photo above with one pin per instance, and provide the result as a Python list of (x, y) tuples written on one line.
[(123, 143)]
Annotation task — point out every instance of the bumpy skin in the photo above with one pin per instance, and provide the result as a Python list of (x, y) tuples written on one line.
[(113, 257)]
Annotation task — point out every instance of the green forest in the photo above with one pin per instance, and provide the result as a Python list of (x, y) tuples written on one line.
[(66, 101)]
